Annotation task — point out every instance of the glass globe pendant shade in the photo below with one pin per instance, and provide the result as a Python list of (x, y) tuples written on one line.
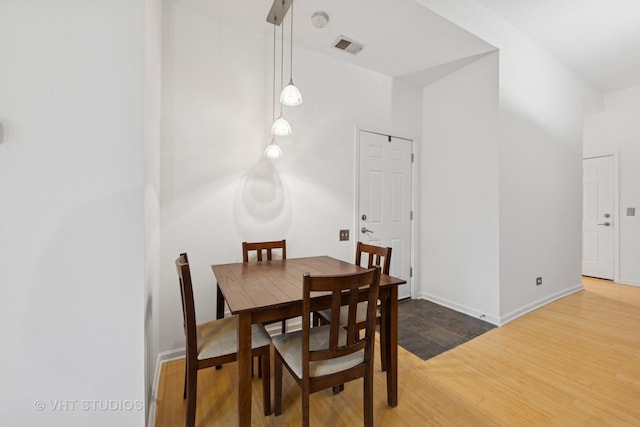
[(273, 150), (281, 127), (291, 95)]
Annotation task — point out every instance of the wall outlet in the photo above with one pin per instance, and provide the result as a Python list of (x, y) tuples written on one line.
[(344, 235), (538, 281)]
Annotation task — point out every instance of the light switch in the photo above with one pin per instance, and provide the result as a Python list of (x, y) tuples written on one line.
[(344, 235), (631, 211)]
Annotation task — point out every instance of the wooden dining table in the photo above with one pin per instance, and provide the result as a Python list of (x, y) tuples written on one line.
[(260, 292)]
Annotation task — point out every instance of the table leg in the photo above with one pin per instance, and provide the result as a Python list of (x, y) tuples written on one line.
[(219, 309), (244, 369), (219, 303), (391, 346)]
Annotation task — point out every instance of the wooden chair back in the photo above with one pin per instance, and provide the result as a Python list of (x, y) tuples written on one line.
[(268, 247), (377, 255), (342, 288), (261, 247), (188, 305)]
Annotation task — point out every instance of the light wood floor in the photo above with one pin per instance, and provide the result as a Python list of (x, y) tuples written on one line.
[(575, 362)]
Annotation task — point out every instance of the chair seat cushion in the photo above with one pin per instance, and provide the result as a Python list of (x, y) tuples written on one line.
[(361, 313), (220, 337), (289, 346)]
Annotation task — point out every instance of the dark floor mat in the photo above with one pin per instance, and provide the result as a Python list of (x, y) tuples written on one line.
[(427, 329)]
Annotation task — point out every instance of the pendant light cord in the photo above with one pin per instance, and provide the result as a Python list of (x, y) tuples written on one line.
[(273, 93), (281, 55), (291, 41)]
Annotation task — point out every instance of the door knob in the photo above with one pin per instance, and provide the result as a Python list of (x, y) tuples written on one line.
[(606, 224), (366, 230)]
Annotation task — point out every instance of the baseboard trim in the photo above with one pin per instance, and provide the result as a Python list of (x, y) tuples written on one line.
[(179, 353), (502, 320), (164, 357), (628, 282), (539, 303), (469, 311)]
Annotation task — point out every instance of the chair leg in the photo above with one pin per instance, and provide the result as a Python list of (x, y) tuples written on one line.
[(305, 407), (318, 320), (368, 399), (383, 340), (259, 366), (277, 385), (266, 382), (192, 386), (322, 320), (186, 372)]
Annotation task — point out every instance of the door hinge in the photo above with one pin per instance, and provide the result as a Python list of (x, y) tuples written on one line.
[(411, 215), (412, 157), (410, 271)]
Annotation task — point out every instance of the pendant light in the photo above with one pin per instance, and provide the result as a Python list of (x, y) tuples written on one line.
[(291, 95), (273, 151), (281, 126)]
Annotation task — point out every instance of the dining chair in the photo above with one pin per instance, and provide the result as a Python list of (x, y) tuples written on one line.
[(333, 354), (215, 343), (262, 250), (266, 247), (375, 256)]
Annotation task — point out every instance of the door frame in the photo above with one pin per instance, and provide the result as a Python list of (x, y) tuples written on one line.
[(411, 281), (616, 210)]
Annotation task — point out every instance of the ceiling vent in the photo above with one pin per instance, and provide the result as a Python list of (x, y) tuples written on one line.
[(348, 45)]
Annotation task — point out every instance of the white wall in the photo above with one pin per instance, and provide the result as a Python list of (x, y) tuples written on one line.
[(541, 112), (617, 129), (218, 190), (71, 216), (152, 115), (540, 133), (459, 212)]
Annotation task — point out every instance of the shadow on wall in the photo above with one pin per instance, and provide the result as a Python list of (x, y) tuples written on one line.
[(262, 203)]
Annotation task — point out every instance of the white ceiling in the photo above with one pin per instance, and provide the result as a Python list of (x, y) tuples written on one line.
[(599, 39), (400, 37)]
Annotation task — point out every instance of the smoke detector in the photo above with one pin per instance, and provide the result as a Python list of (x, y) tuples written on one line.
[(348, 45), (319, 19)]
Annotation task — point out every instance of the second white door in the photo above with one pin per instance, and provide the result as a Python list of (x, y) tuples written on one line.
[(384, 199), (597, 217)]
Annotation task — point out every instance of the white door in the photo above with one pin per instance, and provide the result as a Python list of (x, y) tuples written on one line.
[(384, 200), (597, 217)]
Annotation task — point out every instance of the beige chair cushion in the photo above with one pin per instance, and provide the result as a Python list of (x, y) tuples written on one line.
[(220, 337), (290, 348), (361, 313)]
